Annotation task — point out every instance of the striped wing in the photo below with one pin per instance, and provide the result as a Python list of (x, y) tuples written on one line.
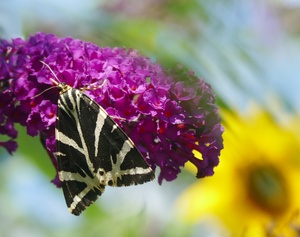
[(93, 151)]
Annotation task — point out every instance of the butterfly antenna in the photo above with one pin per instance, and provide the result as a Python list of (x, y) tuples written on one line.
[(45, 90), (56, 82)]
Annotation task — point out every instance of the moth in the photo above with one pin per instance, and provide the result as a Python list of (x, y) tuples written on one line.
[(92, 151)]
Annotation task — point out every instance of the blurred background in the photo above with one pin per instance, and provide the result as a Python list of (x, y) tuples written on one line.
[(247, 50)]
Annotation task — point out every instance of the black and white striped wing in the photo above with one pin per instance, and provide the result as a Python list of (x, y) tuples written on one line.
[(93, 151)]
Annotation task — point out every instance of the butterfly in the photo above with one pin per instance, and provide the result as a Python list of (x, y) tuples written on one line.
[(92, 151)]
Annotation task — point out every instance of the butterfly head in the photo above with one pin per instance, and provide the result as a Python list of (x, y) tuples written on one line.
[(62, 87)]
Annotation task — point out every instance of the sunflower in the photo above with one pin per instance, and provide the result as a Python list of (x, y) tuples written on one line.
[(255, 190)]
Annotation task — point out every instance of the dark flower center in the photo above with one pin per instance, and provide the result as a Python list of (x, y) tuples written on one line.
[(268, 189)]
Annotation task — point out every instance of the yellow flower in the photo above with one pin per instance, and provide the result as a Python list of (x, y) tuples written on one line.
[(256, 188)]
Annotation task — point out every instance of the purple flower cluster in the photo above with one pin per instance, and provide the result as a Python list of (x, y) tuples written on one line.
[(168, 115)]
